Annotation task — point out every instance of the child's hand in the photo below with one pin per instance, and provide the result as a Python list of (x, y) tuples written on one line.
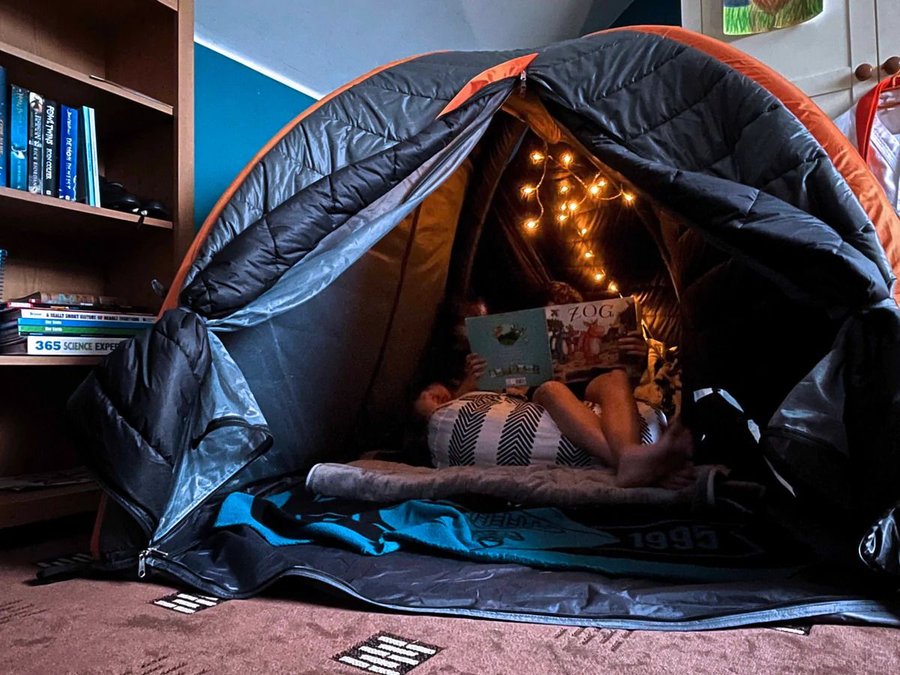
[(634, 346), (475, 367)]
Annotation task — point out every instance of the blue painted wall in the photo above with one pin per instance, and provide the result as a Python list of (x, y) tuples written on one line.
[(643, 12), (237, 110)]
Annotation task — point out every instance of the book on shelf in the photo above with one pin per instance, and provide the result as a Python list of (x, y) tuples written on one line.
[(18, 137), (89, 156), (68, 152), (69, 316), (50, 163), (75, 301), (35, 143), (4, 127), (568, 343), (40, 345)]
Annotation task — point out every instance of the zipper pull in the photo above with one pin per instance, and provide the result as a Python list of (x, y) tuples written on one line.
[(142, 559), (522, 78), (142, 563)]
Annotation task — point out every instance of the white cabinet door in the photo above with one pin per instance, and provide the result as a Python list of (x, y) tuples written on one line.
[(819, 56), (888, 31)]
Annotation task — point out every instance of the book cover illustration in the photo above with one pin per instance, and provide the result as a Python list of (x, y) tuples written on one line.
[(515, 346), (584, 337), (569, 343)]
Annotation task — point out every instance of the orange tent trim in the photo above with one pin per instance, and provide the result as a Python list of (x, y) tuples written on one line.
[(512, 68)]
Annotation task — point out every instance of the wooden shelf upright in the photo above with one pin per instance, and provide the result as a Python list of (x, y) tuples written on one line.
[(132, 61)]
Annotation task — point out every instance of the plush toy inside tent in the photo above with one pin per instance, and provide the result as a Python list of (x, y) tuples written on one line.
[(302, 324)]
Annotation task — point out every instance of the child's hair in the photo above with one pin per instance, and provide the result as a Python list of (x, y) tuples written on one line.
[(561, 293)]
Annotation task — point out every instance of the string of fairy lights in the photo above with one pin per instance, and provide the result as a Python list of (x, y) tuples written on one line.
[(574, 195)]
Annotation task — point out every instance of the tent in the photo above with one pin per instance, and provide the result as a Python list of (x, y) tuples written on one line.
[(294, 328)]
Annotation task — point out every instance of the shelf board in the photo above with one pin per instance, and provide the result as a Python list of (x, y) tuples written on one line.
[(118, 108), (31, 506), (32, 360), (51, 215)]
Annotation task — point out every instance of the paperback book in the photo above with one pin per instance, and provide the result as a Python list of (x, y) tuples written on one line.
[(568, 343), (63, 346), (35, 143)]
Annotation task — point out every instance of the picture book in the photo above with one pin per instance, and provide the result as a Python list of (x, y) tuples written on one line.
[(515, 346), (569, 343)]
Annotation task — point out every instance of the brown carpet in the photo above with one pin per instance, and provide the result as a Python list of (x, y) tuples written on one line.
[(87, 626)]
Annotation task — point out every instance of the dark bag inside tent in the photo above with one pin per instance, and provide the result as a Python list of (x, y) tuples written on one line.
[(301, 322)]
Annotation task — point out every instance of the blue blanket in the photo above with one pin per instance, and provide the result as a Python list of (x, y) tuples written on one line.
[(539, 537)]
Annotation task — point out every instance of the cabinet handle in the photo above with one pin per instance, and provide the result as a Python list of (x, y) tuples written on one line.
[(892, 65), (864, 71)]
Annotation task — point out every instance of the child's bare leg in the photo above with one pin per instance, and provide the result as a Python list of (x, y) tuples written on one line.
[(636, 464), (575, 420)]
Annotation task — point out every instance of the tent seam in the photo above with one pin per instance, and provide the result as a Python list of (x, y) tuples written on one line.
[(370, 83), (592, 52), (730, 153), (679, 113), (101, 389), (638, 78), (361, 128)]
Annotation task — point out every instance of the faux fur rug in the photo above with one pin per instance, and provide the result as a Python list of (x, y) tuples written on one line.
[(545, 485)]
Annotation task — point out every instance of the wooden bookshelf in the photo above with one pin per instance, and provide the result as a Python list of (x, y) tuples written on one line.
[(132, 61), (25, 360)]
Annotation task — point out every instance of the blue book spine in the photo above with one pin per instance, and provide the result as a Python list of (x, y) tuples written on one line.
[(18, 138), (4, 128), (68, 152), (91, 170), (75, 323)]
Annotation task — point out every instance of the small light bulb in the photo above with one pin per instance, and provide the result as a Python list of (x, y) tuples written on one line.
[(528, 190), (567, 158), (562, 217), (537, 157), (601, 182), (532, 224), (594, 189), (589, 254), (628, 197), (613, 287), (564, 188), (583, 231), (598, 276), (563, 207), (572, 206)]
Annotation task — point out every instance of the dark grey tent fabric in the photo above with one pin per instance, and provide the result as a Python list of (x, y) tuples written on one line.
[(262, 370)]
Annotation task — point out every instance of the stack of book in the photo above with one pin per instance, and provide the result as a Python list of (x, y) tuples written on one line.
[(67, 325), (47, 147)]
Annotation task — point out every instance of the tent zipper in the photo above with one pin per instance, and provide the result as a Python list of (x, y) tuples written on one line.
[(147, 555), (144, 555), (522, 83)]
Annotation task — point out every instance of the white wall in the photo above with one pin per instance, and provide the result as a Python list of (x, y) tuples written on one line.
[(318, 45)]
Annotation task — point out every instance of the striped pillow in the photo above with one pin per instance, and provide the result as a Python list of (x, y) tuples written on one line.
[(489, 429)]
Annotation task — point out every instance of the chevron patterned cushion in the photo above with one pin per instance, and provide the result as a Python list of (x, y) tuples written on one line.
[(490, 429)]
